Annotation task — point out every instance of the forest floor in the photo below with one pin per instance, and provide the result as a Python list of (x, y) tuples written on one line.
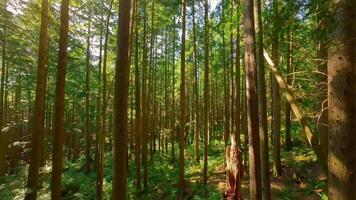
[(302, 178)]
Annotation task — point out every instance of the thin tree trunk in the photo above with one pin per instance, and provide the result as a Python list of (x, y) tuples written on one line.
[(182, 102), (87, 99), (102, 136), (173, 134), (144, 97), (122, 73), (206, 90), (3, 137), (196, 90), (138, 116), (58, 134), (288, 123)]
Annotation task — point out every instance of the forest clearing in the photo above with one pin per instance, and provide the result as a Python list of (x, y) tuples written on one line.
[(178, 99)]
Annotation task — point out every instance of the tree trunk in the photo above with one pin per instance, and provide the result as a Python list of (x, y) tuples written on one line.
[(122, 73), (262, 103), (102, 135), (196, 89), (182, 102), (3, 138), (288, 122), (39, 112), (206, 90), (58, 121), (87, 99), (144, 98), (341, 99), (276, 102), (252, 102)]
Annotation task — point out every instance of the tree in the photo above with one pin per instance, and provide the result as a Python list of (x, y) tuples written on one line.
[(102, 135), (276, 98), (341, 99), (58, 121), (196, 88), (252, 102), (262, 103), (144, 98), (182, 101), (138, 115), (39, 110), (122, 72), (87, 97), (3, 137), (206, 89)]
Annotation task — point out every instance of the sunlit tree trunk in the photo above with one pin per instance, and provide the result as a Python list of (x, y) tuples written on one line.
[(262, 104), (196, 90), (206, 90), (252, 102), (38, 129), (226, 81), (341, 99), (122, 73), (182, 101), (58, 121), (102, 134), (87, 98)]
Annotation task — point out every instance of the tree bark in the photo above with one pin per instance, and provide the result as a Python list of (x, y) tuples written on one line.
[(182, 101), (252, 102), (58, 121), (102, 135), (262, 103), (87, 98), (39, 112), (206, 90), (122, 73), (276, 102), (196, 89), (341, 99)]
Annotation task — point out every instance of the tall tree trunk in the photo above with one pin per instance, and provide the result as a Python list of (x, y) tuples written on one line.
[(276, 127), (341, 99), (58, 121), (226, 82), (122, 73), (262, 104), (3, 143), (144, 97), (196, 89), (39, 112), (173, 133), (182, 101), (288, 122), (87, 98), (206, 90), (138, 115), (252, 102), (102, 135)]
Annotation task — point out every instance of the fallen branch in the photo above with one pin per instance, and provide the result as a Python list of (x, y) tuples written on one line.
[(312, 138)]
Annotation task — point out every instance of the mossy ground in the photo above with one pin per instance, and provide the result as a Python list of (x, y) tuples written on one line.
[(302, 178)]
